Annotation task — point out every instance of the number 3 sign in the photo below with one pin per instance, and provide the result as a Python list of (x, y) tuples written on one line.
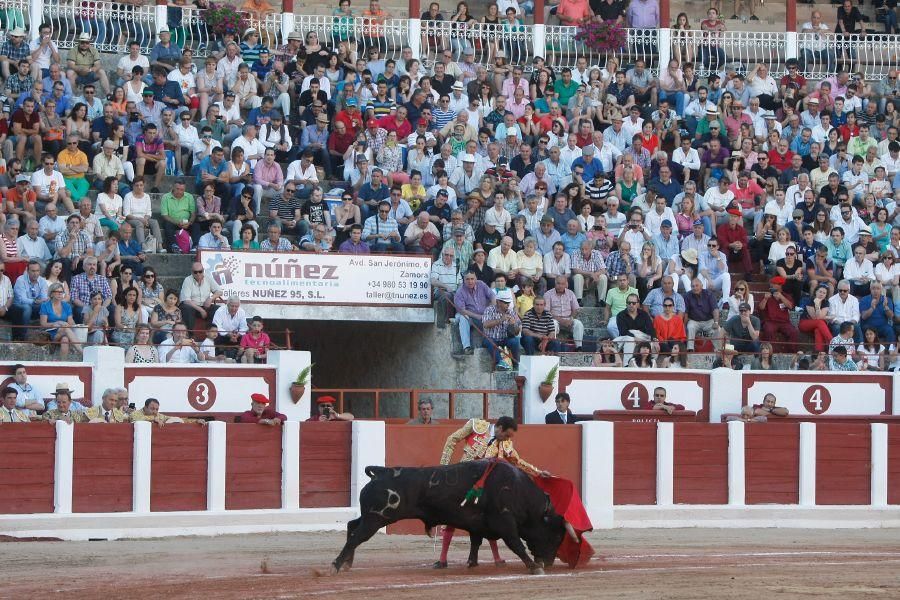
[(201, 394), (816, 399)]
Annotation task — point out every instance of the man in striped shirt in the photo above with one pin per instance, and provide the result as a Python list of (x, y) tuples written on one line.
[(539, 329)]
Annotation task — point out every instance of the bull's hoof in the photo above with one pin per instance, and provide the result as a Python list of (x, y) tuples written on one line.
[(472, 564), (500, 563), (439, 564), (536, 571)]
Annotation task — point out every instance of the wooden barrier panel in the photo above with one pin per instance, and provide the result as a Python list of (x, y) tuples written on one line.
[(634, 475), (325, 464), (26, 471), (893, 496), (252, 466), (102, 467), (700, 463), (556, 448), (843, 464), (179, 467), (772, 463)]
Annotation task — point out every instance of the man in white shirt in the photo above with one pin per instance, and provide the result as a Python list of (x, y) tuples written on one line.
[(319, 75), (718, 198), (51, 224), (459, 102), (696, 109), (843, 307), (254, 149), (303, 173), (133, 59), (688, 158), (605, 152), (32, 245), (43, 52), (179, 347), (634, 123), (231, 321)]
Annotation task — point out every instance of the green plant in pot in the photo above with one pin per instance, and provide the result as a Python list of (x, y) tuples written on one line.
[(546, 386), (298, 387)]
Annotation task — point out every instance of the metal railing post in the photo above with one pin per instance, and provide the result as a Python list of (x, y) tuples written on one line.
[(539, 41), (161, 15)]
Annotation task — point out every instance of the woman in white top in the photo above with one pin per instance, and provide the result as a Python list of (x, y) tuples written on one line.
[(135, 88), (585, 219), (109, 205), (888, 273), (740, 294), (870, 355), (138, 212), (780, 245)]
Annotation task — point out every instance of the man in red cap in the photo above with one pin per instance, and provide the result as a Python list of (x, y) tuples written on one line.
[(775, 314), (733, 241), (327, 412), (261, 412), (375, 136)]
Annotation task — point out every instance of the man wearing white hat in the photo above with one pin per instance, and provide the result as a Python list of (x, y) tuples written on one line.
[(467, 176), (83, 64), (12, 51), (501, 328)]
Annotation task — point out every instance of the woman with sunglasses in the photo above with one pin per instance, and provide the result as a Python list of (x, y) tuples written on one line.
[(887, 271), (669, 327), (792, 269), (740, 294), (56, 319), (151, 291)]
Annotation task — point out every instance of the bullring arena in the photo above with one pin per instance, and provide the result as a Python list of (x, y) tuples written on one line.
[(635, 258)]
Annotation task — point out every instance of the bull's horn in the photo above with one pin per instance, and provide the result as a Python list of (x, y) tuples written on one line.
[(571, 531)]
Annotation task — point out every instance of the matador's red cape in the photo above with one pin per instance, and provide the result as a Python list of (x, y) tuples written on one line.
[(567, 503)]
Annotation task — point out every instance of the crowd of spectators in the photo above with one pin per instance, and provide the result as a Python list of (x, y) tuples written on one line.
[(662, 196)]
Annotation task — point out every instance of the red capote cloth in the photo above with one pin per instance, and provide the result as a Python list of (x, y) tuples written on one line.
[(567, 503)]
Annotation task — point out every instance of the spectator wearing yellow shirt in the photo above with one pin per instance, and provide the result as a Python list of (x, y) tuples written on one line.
[(73, 164), (414, 192), (525, 301)]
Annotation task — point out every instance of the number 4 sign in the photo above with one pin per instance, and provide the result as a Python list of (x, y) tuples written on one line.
[(635, 396), (816, 399)]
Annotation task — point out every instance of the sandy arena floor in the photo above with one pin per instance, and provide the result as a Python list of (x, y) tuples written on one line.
[(686, 563)]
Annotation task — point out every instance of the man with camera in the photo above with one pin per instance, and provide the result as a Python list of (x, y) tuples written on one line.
[(327, 412)]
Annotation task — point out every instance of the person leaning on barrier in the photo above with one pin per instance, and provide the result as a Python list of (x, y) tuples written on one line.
[(150, 412)]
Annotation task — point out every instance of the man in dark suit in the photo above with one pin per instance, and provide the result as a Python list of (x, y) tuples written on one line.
[(562, 415)]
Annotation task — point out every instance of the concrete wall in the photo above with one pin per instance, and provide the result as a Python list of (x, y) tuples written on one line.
[(393, 355)]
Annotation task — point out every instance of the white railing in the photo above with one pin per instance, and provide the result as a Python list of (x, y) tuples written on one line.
[(111, 24), (562, 50), (13, 13), (390, 36), (872, 54), (740, 50), (483, 40), (269, 29)]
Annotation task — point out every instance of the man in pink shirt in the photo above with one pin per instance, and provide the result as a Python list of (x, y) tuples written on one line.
[(269, 176)]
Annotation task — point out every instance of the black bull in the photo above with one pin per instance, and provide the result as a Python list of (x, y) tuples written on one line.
[(511, 508)]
